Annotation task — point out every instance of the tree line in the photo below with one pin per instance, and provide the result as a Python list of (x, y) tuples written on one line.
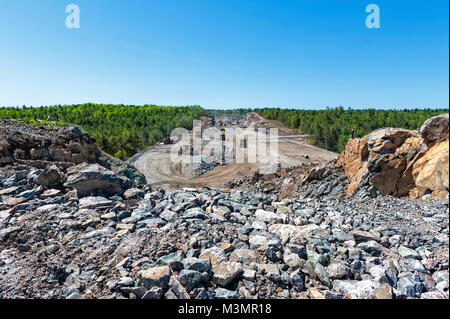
[(124, 130)]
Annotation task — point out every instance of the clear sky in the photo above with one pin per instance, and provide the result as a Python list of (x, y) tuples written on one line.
[(225, 53)]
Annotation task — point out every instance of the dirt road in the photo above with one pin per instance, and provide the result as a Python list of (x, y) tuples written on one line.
[(161, 171)]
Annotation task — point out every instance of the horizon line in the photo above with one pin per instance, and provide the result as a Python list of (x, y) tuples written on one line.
[(222, 108)]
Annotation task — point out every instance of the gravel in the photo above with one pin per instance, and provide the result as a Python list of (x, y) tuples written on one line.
[(212, 243)]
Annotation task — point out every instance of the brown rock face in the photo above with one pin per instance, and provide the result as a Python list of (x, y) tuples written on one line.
[(381, 159), (400, 162), (354, 155), (390, 152), (430, 172), (435, 129)]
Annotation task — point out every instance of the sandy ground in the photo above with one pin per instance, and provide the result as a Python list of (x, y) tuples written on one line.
[(161, 171)]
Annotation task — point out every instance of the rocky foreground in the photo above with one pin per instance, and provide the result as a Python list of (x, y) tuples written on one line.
[(83, 231)]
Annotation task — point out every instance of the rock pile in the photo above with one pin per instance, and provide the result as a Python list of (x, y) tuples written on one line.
[(302, 181), (83, 231), (208, 163), (56, 243), (24, 146), (21, 144)]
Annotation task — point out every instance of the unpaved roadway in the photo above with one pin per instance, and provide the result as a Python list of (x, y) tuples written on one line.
[(161, 171)]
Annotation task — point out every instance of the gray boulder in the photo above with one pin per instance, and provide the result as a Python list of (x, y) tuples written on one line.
[(51, 176), (93, 178)]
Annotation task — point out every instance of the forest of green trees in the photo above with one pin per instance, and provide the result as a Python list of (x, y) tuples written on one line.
[(331, 128), (120, 130), (124, 130)]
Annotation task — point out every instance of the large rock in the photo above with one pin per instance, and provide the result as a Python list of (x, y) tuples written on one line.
[(222, 293), (269, 217), (435, 129), (285, 231), (257, 241), (353, 157), (93, 202), (243, 255), (196, 264), (364, 289), (390, 152), (41, 146), (156, 277), (225, 273), (400, 162), (122, 169), (51, 176), (93, 178), (5, 153), (431, 172), (189, 278), (20, 143), (215, 255)]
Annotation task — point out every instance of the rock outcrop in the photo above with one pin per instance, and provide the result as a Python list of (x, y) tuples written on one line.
[(40, 147), (431, 173), (22, 144), (51, 176), (400, 162), (122, 168), (435, 129)]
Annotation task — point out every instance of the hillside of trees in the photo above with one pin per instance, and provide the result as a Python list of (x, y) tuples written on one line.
[(124, 130), (120, 130), (331, 128)]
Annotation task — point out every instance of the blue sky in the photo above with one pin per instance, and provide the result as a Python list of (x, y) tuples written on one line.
[(225, 53)]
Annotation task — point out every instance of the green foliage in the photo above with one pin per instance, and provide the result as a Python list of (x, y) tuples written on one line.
[(331, 128), (122, 130), (121, 154)]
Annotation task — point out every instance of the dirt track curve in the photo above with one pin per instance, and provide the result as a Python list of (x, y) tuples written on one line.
[(160, 171)]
